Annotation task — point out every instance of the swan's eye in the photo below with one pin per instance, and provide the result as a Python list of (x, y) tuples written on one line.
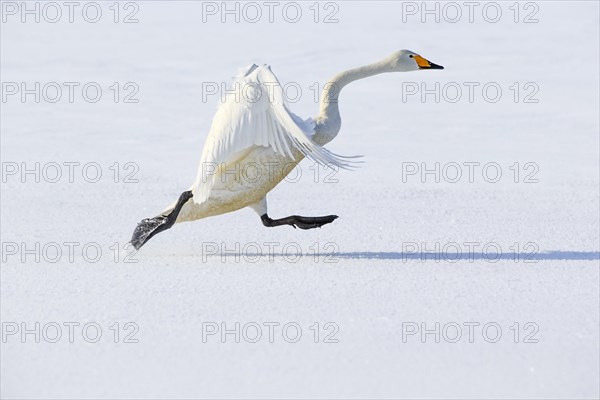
[(410, 55)]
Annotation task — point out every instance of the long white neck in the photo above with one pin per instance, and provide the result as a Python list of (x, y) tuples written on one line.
[(328, 122)]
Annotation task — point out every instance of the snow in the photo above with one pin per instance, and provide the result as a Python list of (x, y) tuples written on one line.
[(364, 273)]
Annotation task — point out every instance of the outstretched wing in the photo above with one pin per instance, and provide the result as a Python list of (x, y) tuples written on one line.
[(254, 114)]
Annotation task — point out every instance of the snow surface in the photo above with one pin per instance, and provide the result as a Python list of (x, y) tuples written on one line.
[(375, 287)]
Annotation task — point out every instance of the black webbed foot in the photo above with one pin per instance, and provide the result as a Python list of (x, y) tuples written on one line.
[(298, 221), (151, 226)]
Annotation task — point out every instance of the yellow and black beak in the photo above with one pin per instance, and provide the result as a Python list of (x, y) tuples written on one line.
[(426, 64)]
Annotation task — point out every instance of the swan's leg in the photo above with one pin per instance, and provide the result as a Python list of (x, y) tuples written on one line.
[(151, 226), (294, 220)]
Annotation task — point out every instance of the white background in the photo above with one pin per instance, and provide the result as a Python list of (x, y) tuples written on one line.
[(374, 287)]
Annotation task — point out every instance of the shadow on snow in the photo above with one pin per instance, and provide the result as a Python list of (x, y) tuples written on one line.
[(433, 256)]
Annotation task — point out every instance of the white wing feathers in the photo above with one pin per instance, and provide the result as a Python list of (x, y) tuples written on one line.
[(254, 114)]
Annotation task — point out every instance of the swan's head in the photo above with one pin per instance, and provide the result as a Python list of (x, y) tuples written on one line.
[(406, 60)]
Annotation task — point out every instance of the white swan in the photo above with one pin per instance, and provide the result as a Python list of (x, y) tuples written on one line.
[(255, 141)]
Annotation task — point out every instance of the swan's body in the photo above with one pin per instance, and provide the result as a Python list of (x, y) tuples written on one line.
[(255, 142), (230, 194)]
